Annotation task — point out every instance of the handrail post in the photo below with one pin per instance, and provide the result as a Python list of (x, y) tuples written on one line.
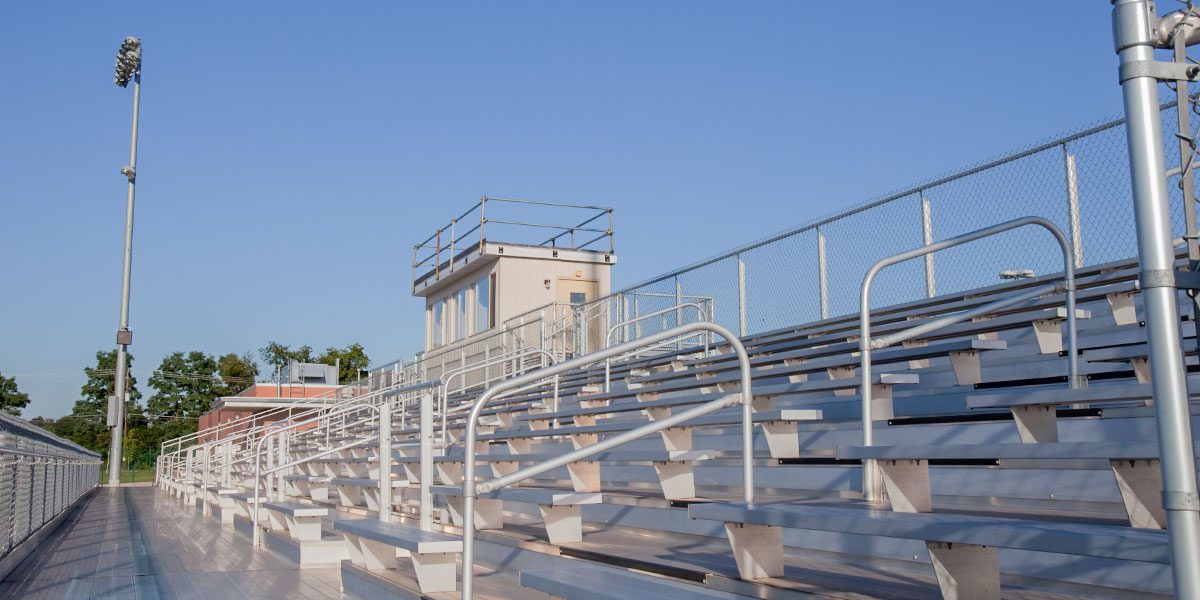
[(385, 460), (426, 453)]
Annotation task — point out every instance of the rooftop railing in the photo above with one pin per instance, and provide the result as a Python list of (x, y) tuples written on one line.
[(582, 227)]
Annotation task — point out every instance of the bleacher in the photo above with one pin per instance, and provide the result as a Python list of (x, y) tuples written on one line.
[(999, 478)]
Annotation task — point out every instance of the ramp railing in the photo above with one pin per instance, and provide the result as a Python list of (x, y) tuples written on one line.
[(41, 476)]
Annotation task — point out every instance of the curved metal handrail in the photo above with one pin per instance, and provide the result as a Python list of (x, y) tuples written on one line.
[(487, 362), (677, 309), (470, 488), (256, 537), (384, 438), (254, 429), (870, 476)]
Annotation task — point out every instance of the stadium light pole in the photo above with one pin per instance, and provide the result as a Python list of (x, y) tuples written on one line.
[(128, 68), (1136, 29)]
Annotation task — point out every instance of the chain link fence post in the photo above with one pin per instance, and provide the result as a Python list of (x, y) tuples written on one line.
[(927, 238), (1074, 221), (741, 283), (822, 274)]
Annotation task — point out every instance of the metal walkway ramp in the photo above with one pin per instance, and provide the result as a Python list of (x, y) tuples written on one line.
[(134, 543)]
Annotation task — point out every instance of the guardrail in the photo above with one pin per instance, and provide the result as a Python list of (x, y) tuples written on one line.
[(41, 476)]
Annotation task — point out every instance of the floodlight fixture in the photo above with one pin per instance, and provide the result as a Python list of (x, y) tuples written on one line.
[(129, 61)]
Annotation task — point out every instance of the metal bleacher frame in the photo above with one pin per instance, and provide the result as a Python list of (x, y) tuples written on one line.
[(555, 430)]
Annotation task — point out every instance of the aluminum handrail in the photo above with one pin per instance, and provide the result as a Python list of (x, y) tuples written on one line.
[(469, 485), (253, 430), (870, 475), (483, 364), (384, 436), (256, 538), (677, 309), (216, 429)]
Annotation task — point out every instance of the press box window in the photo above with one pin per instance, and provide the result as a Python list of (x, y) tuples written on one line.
[(483, 304)]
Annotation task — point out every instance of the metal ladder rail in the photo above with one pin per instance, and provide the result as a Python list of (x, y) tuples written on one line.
[(870, 473)]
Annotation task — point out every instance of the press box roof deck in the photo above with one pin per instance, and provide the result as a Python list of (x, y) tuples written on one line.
[(504, 257)]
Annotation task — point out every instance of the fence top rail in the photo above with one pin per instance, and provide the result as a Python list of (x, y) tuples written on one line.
[(6, 449), (28, 431), (665, 311), (893, 196)]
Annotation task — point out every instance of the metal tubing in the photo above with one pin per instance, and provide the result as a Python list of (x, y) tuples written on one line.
[(677, 309), (870, 475), (609, 443), (469, 493), (117, 432), (822, 274), (426, 484), (1187, 152), (1074, 220), (678, 301), (486, 362), (741, 264), (929, 325), (258, 446), (384, 453), (927, 237), (1133, 40)]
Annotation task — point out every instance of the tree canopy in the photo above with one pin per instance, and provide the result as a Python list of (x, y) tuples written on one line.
[(12, 399), (236, 373), (185, 385), (100, 384), (275, 354), (352, 360)]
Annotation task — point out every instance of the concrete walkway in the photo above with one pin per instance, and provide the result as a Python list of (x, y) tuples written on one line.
[(131, 542)]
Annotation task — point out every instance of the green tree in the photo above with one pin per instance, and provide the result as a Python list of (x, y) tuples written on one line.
[(350, 361), (146, 435), (275, 354), (100, 384), (12, 399), (87, 423), (185, 385), (87, 431), (236, 373)]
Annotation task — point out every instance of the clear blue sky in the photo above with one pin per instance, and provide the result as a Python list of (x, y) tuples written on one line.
[(291, 153)]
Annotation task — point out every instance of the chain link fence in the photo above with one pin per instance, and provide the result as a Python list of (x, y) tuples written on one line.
[(1080, 182)]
